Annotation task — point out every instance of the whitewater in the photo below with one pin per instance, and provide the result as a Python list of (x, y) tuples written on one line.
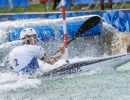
[(109, 84)]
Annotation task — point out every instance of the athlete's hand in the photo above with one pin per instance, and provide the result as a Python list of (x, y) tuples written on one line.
[(62, 48)]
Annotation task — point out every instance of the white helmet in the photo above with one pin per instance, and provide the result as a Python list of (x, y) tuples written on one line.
[(27, 31)]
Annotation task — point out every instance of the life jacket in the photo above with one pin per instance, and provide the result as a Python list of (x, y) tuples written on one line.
[(44, 1)]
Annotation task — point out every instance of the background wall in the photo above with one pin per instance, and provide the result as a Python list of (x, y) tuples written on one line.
[(118, 18)]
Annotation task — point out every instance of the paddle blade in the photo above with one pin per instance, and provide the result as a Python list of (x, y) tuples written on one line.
[(88, 24)]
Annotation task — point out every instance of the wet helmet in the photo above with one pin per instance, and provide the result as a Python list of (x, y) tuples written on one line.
[(27, 31)]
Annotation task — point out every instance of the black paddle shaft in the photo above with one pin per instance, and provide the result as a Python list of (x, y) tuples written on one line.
[(88, 24)]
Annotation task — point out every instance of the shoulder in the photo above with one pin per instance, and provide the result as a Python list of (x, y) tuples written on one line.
[(19, 49), (15, 48), (33, 48)]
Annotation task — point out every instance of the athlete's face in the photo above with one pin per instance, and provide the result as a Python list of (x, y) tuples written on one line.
[(30, 39)]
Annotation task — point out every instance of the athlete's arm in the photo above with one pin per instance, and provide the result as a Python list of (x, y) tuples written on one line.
[(55, 57), (46, 59)]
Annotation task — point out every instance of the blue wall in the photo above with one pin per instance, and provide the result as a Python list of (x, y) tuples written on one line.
[(16, 3), (118, 18), (47, 32)]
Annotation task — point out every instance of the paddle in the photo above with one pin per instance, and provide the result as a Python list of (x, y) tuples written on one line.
[(87, 25)]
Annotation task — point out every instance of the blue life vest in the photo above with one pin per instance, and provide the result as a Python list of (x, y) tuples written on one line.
[(30, 69)]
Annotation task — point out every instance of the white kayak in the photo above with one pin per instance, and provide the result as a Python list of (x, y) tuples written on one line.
[(86, 65)]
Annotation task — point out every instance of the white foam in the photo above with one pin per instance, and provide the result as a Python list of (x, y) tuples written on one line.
[(11, 82), (125, 67)]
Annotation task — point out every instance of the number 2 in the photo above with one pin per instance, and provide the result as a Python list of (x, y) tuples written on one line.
[(16, 62)]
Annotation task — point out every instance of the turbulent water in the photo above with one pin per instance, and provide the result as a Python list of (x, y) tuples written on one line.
[(93, 85), (87, 86)]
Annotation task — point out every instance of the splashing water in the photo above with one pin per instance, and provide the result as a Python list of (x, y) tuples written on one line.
[(94, 85)]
